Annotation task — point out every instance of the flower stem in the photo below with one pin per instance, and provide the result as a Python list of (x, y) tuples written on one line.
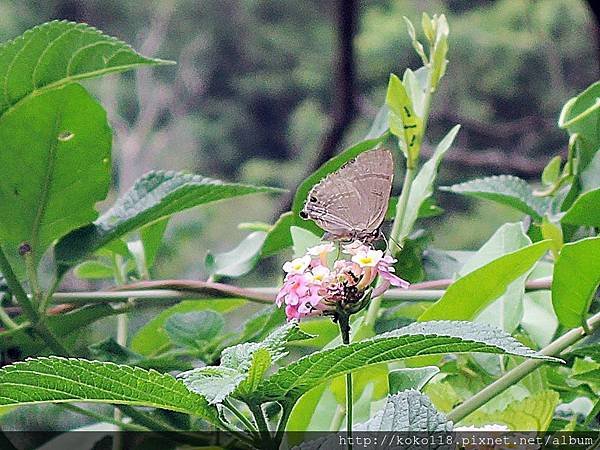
[(344, 323), (522, 370)]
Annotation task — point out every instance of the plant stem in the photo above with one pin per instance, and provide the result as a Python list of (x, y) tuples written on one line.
[(344, 323), (522, 370), (286, 411), (6, 320), (17, 290), (261, 423), (242, 418), (104, 418)]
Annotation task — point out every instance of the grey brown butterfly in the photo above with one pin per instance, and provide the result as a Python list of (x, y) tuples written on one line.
[(351, 202)]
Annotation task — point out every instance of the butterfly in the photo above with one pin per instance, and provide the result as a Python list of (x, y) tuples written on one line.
[(351, 202)]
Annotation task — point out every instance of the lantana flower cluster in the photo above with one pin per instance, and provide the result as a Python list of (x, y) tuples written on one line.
[(312, 286)]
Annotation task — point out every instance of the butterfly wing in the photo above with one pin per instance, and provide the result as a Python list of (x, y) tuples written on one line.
[(353, 200)]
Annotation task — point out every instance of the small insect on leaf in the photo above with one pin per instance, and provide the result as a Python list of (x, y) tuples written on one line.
[(65, 136)]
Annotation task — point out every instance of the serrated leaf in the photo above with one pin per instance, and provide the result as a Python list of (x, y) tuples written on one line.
[(261, 362), (575, 280), (213, 383), (57, 53), (467, 296), (422, 186), (411, 378), (55, 165), (505, 189), (408, 411), (194, 329), (238, 261), (532, 413), (60, 380), (418, 339), (154, 196)]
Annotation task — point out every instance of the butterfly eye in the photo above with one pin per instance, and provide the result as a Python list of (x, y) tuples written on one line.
[(303, 214), (313, 199)]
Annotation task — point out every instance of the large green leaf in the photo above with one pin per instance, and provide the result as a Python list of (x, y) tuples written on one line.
[(194, 329), (467, 296), (54, 167), (407, 411), (152, 337), (418, 339), (575, 280), (411, 378), (58, 53), (581, 116), (238, 261), (278, 237), (61, 380), (422, 186), (154, 196), (584, 210), (531, 413), (505, 189), (506, 311)]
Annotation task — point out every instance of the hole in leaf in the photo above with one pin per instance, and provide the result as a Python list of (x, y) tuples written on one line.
[(65, 136)]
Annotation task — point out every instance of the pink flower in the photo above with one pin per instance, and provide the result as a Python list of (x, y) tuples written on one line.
[(311, 287)]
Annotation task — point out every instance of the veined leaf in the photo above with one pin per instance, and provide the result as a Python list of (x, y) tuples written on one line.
[(575, 280), (154, 196), (62, 380), (213, 383), (505, 189), (418, 339), (422, 186), (407, 411), (468, 295), (194, 329), (55, 165), (57, 53)]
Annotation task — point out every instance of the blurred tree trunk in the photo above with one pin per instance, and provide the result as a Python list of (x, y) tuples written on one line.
[(70, 10), (594, 6), (343, 106)]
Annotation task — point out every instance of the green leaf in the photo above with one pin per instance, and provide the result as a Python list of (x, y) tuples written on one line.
[(151, 236), (330, 166), (585, 210), (468, 295), (154, 196), (62, 380), (551, 172), (58, 53), (507, 190), (278, 237), (110, 350), (590, 350), (418, 339), (407, 411), (55, 161), (194, 329), (590, 176), (422, 186), (379, 127), (411, 378), (539, 319), (213, 383), (575, 280), (153, 337), (507, 310), (303, 240), (403, 120), (532, 413), (257, 327), (238, 261), (260, 363), (581, 116), (93, 270)]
